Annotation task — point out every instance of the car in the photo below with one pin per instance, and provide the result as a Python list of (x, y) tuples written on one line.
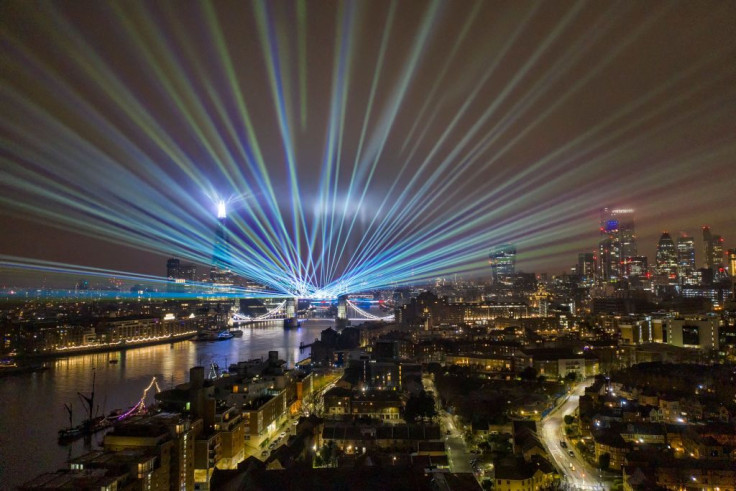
[(295, 422), (272, 446), (264, 453), (571, 453), (563, 444), (283, 434), (572, 467)]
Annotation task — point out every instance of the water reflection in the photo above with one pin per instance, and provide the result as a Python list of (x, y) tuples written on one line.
[(32, 408)]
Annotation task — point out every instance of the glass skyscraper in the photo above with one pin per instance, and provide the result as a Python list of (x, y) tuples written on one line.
[(503, 262), (618, 242)]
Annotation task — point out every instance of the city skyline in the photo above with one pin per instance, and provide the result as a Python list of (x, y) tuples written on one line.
[(362, 144)]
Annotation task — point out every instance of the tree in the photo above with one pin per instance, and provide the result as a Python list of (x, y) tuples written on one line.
[(604, 461), (569, 418), (421, 406), (529, 373)]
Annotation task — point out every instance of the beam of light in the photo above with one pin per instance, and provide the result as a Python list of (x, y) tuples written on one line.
[(375, 183), (152, 286)]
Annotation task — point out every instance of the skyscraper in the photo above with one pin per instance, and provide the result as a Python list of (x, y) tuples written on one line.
[(172, 268), (586, 265), (619, 242), (221, 257), (188, 271), (179, 274), (503, 262), (712, 250), (686, 259), (732, 271), (667, 256)]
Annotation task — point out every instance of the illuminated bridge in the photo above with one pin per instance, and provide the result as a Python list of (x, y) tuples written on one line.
[(353, 313)]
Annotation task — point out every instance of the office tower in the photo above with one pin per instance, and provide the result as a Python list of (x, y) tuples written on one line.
[(732, 271), (503, 262), (717, 259), (586, 265), (666, 256), (188, 271), (177, 270), (686, 260), (712, 250), (707, 248), (619, 242), (172, 268)]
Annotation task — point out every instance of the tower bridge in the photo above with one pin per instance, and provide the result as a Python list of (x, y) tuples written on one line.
[(287, 309)]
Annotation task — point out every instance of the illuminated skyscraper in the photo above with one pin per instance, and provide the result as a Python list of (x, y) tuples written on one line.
[(686, 259), (732, 271), (503, 262), (221, 257), (667, 256), (586, 265), (712, 251), (619, 242)]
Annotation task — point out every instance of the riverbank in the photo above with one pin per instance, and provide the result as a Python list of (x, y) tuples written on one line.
[(84, 350)]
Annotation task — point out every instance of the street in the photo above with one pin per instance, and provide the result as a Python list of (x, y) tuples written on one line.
[(457, 452), (577, 474)]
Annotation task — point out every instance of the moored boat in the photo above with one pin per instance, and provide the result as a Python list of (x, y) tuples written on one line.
[(92, 424), (214, 335)]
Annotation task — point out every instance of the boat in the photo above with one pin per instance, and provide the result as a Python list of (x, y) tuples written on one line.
[(113, 361), (236, 333), (89, 426), (12, 368), (214, 335)]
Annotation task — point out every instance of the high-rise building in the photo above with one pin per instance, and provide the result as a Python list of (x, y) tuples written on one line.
[(667, 256), (172, 268), (177, 270), (586, 265), (712, 250), (221, 257), (188, 271), (503, 262), (732, 271), (619, 242), (686, 259)]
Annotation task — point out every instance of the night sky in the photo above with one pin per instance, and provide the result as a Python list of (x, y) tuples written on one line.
[(408, 136)]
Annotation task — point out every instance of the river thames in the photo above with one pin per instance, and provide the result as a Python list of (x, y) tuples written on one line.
[(32, 409)]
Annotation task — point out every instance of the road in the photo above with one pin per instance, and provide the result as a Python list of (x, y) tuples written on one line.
[(457, 452), (577, 473)]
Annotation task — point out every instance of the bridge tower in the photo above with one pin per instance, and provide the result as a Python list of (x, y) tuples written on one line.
[(341, 321), (290, 308)]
